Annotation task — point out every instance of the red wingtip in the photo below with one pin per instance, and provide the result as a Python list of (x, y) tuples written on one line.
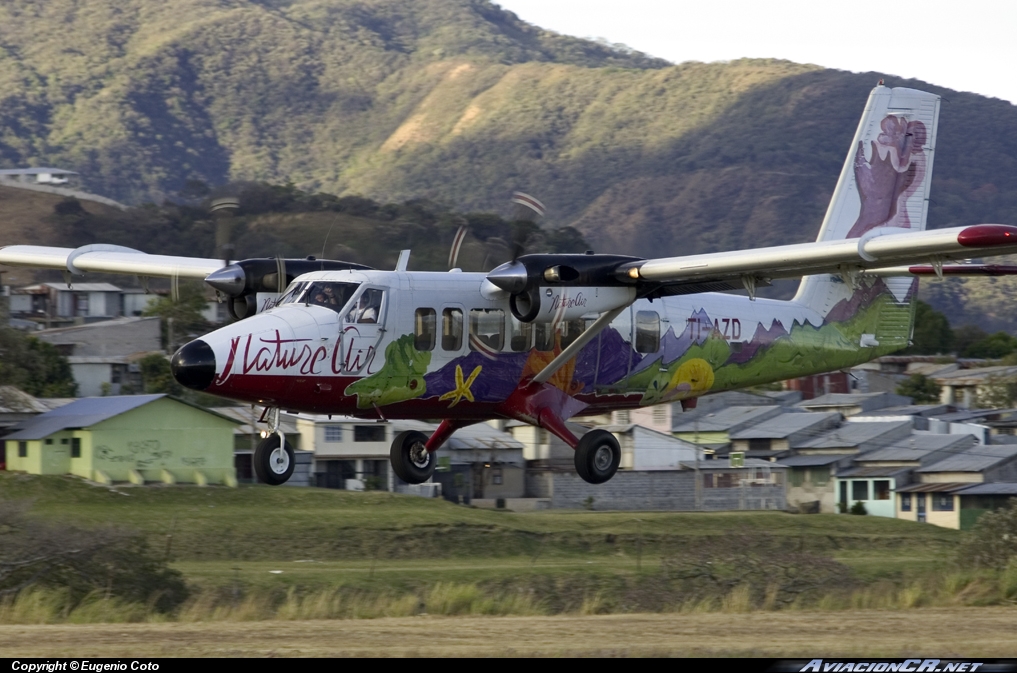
[(988, 236)]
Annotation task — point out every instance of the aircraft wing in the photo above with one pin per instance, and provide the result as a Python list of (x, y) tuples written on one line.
[(884, 248), (107, 259)]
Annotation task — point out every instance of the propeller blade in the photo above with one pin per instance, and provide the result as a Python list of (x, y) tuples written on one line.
[(529, 206), (280, 267), (457, 244)]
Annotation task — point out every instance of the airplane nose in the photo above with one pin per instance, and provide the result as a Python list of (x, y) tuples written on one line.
[(194, 365)]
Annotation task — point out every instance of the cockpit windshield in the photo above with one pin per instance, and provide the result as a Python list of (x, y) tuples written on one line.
[(320, 293)]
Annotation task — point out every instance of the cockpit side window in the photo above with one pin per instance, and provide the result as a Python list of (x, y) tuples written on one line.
[(368, 308), (321, 293)]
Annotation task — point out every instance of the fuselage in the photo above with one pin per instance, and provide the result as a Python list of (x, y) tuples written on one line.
[(389, 344)]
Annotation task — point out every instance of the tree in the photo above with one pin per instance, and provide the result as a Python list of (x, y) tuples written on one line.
[(998, 392), (34, 366), (992, 543), (157, 377), (991, 347), (920, 388), (182, 317), (932, 334)]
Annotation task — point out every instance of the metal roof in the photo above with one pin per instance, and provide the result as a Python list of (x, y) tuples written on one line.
[(814, 461), (917, 446), (86, 412), (723, 419), (880, 471), (477, 436), (908, 410), (975, 459), (853, 434), (995, 488), (844, 399), (725, 464), (248, 426), (945, 486), (785, 424), (974, 376)]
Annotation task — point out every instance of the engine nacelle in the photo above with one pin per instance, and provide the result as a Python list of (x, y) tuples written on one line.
[(563, 287), (558, 304)]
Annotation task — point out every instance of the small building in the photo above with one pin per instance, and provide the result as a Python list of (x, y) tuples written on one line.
[(963, 386), (137, 439), (713, 429), (850, 404), (781, 433), (104, 356), (58, 303), (811, 485), (874, 477), (935, 496), (856, 438), (38, 176)]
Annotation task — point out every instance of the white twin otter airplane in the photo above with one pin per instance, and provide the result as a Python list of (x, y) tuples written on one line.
[(547, 337)]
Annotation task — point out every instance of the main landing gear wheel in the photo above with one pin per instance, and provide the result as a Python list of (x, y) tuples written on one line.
[(273, 463), (410, 458), (597, 456)]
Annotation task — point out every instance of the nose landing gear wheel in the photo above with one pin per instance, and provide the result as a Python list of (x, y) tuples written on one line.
[(410, 458), (597, 456), (273, 464)]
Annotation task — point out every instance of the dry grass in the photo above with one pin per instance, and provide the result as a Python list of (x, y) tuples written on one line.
[(959, 632)]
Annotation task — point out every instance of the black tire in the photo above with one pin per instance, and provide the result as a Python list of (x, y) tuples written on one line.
[(410, 460), (272, 465), (597, 456)]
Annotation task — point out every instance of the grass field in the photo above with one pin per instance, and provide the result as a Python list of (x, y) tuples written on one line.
[(261, 553)]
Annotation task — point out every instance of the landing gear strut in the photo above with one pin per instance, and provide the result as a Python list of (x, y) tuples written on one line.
[(410, 459), (597, 456)]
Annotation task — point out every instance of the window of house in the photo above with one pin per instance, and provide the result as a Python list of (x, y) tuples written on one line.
[(647, 332), (368, 433), (905, 502), (487, 329), (496, 476), (820, 476), (797, 477), (942, 502), (725, 480), (882, 489), (708, 480), (451, 329), (759, 444), (860, 489), (843, 492), (76, 448), (22, 449), (333, 433), (425, 328), (64, 440), (49, 440), (660, 414)]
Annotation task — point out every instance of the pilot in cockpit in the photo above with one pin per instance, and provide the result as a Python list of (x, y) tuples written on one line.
[(367, 308)]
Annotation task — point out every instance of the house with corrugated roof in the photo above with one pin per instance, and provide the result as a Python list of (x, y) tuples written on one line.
[(850, 404), (713, 429), (783, 432), (134, 438), (874, 477), (935, 497)]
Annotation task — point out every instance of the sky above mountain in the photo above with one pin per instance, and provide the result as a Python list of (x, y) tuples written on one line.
[(966, 46)]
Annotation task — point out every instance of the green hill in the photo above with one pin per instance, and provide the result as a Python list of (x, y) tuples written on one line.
[(460, 103)]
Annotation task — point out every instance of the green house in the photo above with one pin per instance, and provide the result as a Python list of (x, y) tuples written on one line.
[(134, 438)]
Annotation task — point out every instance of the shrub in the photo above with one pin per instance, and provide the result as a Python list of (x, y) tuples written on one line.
[(858, 508)]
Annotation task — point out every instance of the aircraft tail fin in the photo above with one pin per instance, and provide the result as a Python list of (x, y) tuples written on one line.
[(883, 188)]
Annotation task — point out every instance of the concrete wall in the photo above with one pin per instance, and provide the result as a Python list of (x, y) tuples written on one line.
[(658, 490)]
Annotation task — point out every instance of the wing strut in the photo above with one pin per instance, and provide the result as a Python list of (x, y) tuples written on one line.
[(573, 348)]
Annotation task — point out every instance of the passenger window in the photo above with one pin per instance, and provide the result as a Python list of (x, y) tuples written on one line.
[(451, 329), (487, 329), (424, 329), (571, 330), (520, 334), (647, 332), (543, 337)]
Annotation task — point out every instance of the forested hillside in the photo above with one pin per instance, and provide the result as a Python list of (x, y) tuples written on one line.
[(460, 103)]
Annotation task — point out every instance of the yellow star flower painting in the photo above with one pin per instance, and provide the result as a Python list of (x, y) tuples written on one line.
[(462, 388)]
